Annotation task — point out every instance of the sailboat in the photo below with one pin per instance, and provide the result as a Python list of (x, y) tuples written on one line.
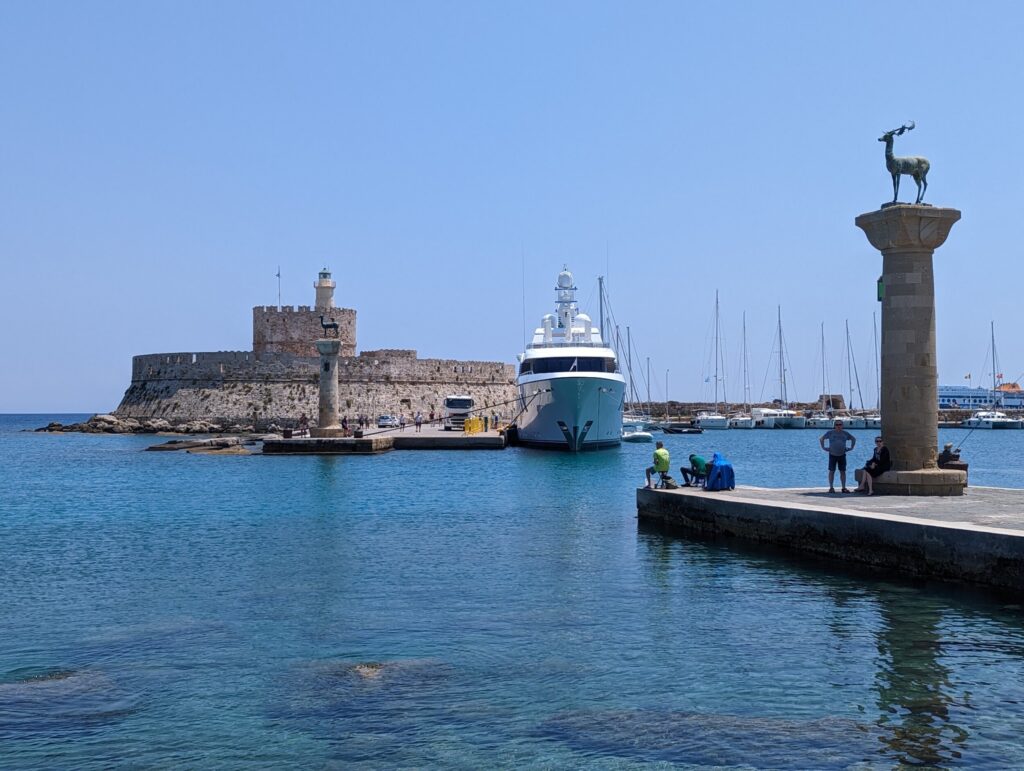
[(744, 419), (993, 418), (714, 420), (822, 418), (850, 420), (784, 416), (632, 420)]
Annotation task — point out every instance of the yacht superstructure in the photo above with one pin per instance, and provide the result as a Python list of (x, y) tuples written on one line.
[(570, 389)]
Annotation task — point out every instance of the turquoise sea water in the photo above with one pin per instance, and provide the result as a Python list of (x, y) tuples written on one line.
[(467, 610)]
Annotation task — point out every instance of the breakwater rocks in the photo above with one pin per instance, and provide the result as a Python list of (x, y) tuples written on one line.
[(113, 424)]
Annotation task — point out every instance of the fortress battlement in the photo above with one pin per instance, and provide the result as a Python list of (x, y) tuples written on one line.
[(389, 353), (278, 380)]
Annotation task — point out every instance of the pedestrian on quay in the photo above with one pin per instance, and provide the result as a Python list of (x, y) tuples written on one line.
[(419, 421), (661, 462), (878, 464), (401, 422), (836, 440)]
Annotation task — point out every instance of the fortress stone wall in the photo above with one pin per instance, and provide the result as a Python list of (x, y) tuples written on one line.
[(278, 380), (239, 388), (293, 329)]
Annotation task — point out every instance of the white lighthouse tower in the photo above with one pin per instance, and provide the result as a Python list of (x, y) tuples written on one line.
[(324, 289)]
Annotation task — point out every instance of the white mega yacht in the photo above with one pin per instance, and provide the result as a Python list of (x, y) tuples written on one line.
[(571, 392)]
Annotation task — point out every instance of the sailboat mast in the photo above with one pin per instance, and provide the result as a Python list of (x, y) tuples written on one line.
[(851, 363), (823, 389), (716, 350), (648, 385), (629, 365), (994, 385), (782, 366), (746, 373)]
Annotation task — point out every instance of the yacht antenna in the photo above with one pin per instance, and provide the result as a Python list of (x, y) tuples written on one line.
[(600, 302)]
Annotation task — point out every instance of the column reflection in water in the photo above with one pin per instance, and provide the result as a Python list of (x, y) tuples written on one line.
[(915, 690)]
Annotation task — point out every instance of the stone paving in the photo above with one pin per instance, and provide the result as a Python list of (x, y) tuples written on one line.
[(979, 506)]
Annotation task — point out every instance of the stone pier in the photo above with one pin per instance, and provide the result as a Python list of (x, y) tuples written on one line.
[(328, 417), (907, 235)]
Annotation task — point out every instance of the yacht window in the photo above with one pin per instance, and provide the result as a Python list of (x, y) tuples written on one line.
[(569, 364)]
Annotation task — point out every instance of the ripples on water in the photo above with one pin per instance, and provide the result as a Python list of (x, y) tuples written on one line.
[(465, 610)]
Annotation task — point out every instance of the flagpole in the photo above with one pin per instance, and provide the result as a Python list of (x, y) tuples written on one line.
[(279, 287)]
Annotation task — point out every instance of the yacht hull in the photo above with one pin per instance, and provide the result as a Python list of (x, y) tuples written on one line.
[(571, 412), (790, 421)]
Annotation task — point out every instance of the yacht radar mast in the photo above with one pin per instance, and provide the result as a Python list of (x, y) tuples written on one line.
[(566, 302)]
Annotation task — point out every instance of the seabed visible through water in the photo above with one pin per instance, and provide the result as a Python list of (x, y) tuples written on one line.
[(467, 609)]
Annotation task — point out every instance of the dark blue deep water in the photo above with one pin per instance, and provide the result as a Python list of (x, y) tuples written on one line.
[(467, 610)]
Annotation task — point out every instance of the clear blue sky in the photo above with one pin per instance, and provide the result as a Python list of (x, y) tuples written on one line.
[(159, 160)]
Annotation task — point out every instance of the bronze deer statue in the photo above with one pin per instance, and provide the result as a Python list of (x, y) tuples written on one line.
[(911, 165), (329, 326)]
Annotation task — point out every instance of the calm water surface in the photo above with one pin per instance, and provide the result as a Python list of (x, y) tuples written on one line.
[(467, 610)]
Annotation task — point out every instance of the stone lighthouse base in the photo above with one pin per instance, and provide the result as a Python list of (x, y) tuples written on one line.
[(929, 481)]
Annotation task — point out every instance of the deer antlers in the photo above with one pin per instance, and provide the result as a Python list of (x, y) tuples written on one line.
[(899, 131)]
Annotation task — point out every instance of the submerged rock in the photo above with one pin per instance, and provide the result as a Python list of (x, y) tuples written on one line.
[(35, 699)]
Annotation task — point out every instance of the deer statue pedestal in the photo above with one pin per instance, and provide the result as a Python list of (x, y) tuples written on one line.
[(907, 235), (329, 349)]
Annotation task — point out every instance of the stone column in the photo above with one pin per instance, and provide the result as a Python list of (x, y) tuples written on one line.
[(328, 422), (907, 235)]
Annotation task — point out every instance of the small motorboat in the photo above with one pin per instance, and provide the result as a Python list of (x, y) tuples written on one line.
[(637, 436), (681, 429)]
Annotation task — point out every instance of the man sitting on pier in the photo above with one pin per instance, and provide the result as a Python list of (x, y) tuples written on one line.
[(697, 472), (661, 461), (948, 455)]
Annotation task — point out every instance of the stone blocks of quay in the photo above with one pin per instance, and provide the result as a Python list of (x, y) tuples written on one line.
[(278, 380)]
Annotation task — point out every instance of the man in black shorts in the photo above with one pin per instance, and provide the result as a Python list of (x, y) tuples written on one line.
[(834, 443)]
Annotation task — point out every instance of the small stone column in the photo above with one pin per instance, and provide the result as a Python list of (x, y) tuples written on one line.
[(328, 421), (907, 235)]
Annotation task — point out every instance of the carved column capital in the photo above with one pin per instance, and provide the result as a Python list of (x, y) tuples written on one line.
[(907, 227)]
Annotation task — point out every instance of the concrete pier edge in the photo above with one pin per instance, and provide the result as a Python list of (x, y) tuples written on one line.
[(932, 548)]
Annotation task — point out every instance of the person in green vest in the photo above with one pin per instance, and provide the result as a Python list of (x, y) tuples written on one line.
[(661, 462), (698, 470)]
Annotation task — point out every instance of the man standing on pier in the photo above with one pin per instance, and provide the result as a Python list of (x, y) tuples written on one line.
[(837, 449)]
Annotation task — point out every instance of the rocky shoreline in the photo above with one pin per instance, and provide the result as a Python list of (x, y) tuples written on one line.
[(112, 424)]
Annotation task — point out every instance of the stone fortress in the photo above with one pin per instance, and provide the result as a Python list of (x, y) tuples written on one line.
[(277, 381)]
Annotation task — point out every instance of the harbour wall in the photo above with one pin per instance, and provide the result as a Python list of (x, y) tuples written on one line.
[(242, 387), (956, 550)]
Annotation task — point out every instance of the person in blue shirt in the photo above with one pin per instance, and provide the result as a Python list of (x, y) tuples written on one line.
[(834, 443)]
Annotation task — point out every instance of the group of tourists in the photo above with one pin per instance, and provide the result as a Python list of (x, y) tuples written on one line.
[(714, 474), (837, 442)]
